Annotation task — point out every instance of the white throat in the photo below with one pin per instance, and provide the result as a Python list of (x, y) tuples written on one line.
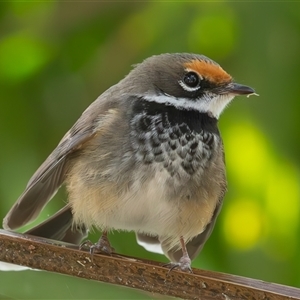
[(211, 103)]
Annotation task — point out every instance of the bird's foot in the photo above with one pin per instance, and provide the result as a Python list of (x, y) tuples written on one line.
[(102, 246), (184, 264)]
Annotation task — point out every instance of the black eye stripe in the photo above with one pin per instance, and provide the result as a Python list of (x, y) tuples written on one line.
[(191, 79)]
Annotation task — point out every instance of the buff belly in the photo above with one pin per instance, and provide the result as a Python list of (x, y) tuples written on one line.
[(152, 207)]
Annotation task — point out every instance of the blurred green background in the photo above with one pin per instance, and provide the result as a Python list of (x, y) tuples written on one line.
[(57, 57)]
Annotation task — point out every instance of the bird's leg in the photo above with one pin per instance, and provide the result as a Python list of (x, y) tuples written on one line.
[(184, 263), (102, 246)]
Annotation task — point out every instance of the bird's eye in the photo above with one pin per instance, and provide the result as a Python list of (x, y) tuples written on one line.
[(190, 82), (191, 79)]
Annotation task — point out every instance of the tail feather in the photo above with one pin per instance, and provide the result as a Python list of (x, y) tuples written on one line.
[(60, 227)]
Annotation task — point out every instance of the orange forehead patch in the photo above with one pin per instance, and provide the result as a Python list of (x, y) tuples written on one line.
[(211, 72)]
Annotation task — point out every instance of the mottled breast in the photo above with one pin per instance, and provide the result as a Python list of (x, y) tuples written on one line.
[(183, 142)]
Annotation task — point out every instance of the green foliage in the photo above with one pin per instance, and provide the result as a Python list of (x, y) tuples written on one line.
[(57, 57)]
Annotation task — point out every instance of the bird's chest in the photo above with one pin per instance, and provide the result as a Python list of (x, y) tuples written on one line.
[(176, 150), (170, 184)]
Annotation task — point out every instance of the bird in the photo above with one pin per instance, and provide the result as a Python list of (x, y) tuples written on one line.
[(146, 156)]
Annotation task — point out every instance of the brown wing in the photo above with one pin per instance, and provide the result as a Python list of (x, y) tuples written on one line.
[(51, 174)]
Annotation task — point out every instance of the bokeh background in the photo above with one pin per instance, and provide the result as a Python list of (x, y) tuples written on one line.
[(57, 57)]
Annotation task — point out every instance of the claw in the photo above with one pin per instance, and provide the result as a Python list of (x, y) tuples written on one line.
[(86, 245), (184, 263), (102, 246)]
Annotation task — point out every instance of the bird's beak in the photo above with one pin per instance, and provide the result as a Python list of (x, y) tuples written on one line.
[(239, 89)]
